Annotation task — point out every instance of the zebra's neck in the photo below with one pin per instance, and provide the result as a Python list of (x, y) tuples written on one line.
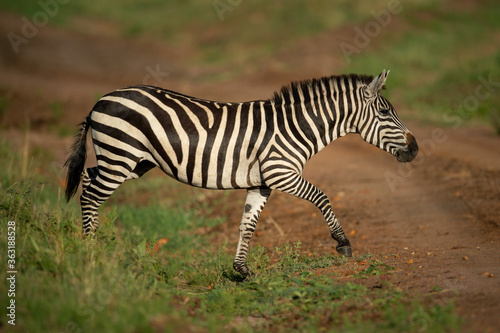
[(321, 110)]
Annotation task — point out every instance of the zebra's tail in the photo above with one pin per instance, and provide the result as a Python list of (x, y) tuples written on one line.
[(76, 160)]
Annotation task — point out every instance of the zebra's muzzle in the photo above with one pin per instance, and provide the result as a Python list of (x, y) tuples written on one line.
[(408, 153)]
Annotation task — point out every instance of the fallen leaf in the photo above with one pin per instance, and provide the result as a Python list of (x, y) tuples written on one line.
[(159, 244)]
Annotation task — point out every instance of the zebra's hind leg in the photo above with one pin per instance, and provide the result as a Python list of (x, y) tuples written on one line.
[(90, 217), (96, 189), (254, 203)]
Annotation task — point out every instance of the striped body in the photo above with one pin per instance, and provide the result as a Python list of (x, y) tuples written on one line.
[(259, 146), (184, 137)]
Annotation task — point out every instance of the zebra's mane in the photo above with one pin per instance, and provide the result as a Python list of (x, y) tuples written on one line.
[(296, 88)]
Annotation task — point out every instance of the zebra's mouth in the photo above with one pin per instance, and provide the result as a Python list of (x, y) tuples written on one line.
[(404, 156), (408, 153)]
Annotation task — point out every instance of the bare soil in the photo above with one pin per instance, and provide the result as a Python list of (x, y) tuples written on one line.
[(436, 220)]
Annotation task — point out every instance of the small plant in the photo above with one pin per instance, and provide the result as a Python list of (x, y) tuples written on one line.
[(16, 203), (291, 259), (259, 260), (376, 268), (437, 288)]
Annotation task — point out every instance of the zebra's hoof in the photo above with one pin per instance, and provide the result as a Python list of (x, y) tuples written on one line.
[(242, 269), (250, 275), (344, 250)]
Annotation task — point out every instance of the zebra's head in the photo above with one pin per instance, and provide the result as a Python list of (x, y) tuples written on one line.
[(380, 124)]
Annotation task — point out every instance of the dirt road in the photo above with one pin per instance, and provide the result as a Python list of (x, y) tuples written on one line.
[(436, 220)]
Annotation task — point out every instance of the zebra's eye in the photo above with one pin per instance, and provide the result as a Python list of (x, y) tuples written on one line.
[(384, 112)]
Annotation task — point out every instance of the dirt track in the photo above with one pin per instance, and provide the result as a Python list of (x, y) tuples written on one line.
[(436, 220)]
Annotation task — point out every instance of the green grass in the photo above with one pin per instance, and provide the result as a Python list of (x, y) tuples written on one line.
[(121, 282)]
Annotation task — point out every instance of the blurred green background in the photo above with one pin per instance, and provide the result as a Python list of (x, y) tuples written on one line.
[(440, 53)]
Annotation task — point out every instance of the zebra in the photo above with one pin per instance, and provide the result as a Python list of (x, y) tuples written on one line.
[(259, 146)]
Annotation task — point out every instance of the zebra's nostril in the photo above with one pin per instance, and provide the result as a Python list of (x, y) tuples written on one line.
[(412, 144), (409, 138), (408, 153)]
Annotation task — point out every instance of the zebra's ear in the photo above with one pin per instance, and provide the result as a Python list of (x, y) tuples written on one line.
[(377, 84)]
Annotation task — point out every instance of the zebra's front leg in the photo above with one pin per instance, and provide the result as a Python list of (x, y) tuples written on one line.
[(254, 203), (297, 186)]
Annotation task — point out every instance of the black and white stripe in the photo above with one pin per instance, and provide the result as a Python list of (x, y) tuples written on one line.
[(259, 146)]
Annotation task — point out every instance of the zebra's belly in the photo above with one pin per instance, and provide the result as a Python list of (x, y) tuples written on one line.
[(245, 175)]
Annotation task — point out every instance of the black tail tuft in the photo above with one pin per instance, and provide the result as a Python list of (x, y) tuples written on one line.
[(76, 160)]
